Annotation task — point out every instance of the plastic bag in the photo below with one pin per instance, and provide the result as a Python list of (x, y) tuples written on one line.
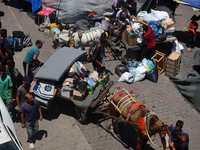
[(81, 86), (90, 82), (141, 15), (140, 73), (126, 77), (152, 75), (47, 22), (132, 71), (157, 23), (133, 63), (158, 15), (155, 30), (148, 18)]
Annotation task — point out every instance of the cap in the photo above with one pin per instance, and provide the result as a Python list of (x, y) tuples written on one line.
[(38, 42)]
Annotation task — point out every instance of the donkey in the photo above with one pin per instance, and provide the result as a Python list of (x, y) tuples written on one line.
[(140, 118)]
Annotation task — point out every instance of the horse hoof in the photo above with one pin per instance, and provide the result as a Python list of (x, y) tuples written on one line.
[(111, 129)]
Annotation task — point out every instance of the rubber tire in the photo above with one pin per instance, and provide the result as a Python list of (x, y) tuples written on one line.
[(128, 56), (53, 108), (80, 116), (123, 57)]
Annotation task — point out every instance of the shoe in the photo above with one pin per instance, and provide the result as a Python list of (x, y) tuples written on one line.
[(31, 146), (21, 10)]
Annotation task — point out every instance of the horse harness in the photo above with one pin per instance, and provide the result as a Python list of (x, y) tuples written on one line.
[(135, 106)]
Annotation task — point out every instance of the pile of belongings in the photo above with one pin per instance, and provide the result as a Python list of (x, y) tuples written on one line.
[(159, 21), (137, 71), (18, 41)]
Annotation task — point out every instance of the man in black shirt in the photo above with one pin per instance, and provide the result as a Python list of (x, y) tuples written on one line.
[(98, 58)]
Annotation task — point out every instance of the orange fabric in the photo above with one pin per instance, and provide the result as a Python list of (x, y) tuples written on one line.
[(134, 106), (141, 121)]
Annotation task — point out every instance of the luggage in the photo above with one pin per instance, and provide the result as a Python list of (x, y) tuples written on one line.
[(18, 34), (17, 44), (18, 77)]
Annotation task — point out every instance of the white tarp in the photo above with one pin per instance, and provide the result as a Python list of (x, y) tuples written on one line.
[(69, 11)]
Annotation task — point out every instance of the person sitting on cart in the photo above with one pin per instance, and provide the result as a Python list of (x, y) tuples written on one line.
[(98, 58)]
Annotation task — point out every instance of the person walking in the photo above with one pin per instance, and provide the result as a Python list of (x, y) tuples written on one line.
[(6, 89), (2, 43), (192, 28), (21, 91), (30, 113), (31, 57)]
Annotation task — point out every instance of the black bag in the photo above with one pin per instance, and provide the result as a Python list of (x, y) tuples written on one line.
[(161, 37), (18, 34), (18, 77), (81, 86), (120, 69), (34, 68), (152, 75)]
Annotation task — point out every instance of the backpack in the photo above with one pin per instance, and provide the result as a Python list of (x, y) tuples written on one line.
[(17, 44), (18, 34), (8, 43), (27, 40)]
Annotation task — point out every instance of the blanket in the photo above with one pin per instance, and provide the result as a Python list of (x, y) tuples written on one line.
[(190, 89), (44, 89)]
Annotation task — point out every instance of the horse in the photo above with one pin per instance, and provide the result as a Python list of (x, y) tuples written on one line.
[(123, 103)]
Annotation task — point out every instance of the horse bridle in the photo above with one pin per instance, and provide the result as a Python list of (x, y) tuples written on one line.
[(149, 116)]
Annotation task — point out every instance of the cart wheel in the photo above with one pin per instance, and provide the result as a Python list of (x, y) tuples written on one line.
[(123, 57), (128, 56), (80, 116), (53, 108)]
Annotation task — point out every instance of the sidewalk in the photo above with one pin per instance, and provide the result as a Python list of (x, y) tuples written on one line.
[(63, 132)]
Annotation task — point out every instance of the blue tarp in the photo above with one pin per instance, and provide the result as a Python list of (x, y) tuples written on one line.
[(192, 3), (35, 4)]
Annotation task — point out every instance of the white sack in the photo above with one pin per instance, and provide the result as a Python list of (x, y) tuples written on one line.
[(158, 15), (141, 15), (126, 77), (140, 73)]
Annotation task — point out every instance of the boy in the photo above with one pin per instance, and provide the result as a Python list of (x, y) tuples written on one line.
[(192, 28), (6, 90)]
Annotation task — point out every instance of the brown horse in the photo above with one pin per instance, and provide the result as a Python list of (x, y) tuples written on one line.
[(120, 102)]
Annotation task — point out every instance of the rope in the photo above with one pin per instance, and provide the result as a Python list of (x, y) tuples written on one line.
[(146, 117)]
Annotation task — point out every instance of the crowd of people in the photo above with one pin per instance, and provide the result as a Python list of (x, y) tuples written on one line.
[(29, 110)]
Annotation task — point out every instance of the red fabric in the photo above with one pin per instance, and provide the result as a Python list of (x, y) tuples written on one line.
[(92, 13), (135, 105), (141, 128), (149, 38), (191, 26)]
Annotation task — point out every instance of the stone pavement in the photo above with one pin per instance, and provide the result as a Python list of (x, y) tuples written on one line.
[(63, 132)]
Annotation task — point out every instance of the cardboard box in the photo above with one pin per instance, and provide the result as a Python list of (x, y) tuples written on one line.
[(78, 96), (173, 64), (67, 94), (130, 38)]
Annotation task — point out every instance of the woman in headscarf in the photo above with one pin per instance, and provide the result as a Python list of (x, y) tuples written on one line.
[(132, 7)]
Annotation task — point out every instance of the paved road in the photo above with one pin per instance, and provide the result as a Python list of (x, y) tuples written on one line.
[(63, 132)]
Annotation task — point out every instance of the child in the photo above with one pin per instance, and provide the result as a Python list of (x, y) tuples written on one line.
[(192, 32), (6, 90)]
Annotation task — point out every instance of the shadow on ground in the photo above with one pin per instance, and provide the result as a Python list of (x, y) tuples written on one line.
[(126, 135), (182, 36)]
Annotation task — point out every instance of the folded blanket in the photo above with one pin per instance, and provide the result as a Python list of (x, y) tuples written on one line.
[(44, 89)]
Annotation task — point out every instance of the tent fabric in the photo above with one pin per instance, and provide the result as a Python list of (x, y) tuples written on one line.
[(61, 61), (192, 3), (70, 11), (190, 89), (36, 4)]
